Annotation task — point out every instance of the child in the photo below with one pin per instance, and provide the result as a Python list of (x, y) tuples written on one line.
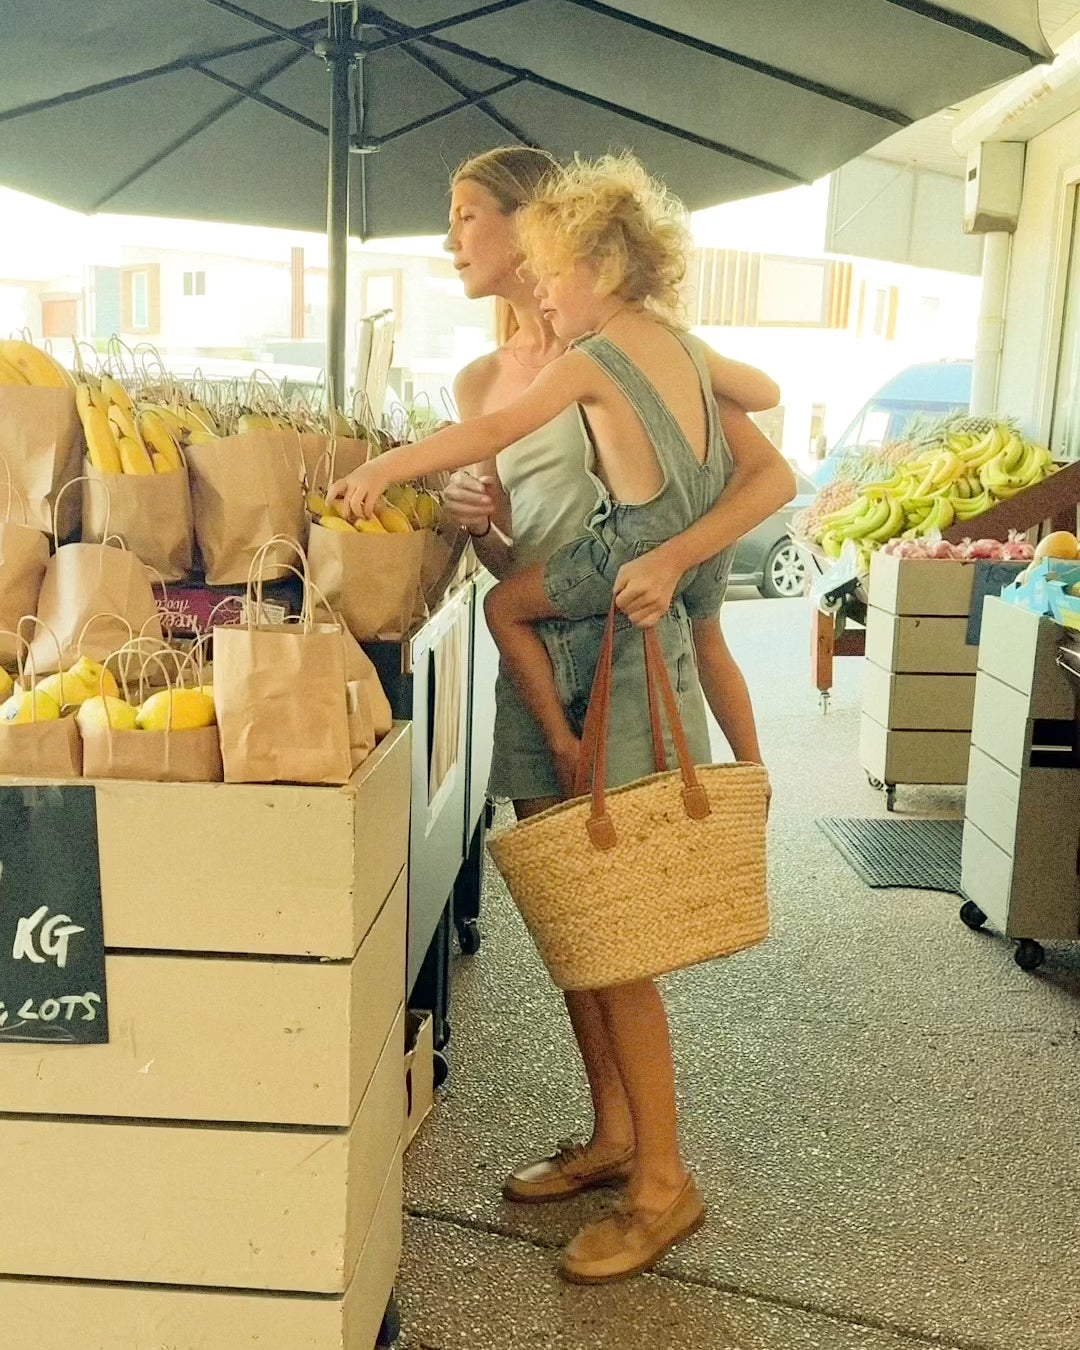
[(609, 248)]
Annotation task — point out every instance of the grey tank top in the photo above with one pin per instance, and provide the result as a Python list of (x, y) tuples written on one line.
[(551, 489)]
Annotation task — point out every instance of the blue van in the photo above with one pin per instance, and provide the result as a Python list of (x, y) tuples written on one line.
[(928, 391)]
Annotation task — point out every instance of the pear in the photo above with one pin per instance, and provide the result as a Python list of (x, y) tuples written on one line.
[(28, 706), (191, 709), (105, 714)]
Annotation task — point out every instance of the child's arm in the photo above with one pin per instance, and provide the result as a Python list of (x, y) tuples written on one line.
[(725, 690), (745, 385), (568, 379), (761, 483)]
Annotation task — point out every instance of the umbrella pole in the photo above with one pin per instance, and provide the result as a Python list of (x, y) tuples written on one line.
[(339, 57)]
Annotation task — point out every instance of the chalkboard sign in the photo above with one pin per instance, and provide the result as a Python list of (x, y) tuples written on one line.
[(52, 951), (991, 578)]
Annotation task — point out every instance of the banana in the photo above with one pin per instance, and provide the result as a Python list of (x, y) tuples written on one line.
[(891, 526), (253, 422), (115, 392), (37, 367), (133, 456), (866, 525), (168, 418), (1013, 454), (123, 421), (10, 374), (973, 506), (101, 447), (156, 438), (941, 516)]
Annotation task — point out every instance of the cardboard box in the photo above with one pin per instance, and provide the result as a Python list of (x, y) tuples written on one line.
[(59, 1315), (1000, 725), (1019, 648), (918, 702), (1034, 894), (419, 1072), (275, 1209), (912, 756), (919, 645), (920, 585), (227, 1039), (275, 870)]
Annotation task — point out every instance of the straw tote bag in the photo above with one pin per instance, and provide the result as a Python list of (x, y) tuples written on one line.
[(648, 878)]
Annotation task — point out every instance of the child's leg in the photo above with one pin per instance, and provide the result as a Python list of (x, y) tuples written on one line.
[(513, 607)]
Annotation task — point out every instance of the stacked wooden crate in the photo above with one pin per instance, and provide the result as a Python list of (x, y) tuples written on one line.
[(1022, 818), (226, 1171), (919, 684)]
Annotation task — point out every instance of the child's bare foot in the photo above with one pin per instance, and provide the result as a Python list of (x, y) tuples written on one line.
[(565, 758)]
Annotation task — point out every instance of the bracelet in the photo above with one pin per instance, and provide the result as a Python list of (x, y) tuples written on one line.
[(485, 531)]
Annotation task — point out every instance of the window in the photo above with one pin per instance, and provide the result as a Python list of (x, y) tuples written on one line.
[(194, 283), (751, 290), (140, 302), (886, 304), (1065, 416)]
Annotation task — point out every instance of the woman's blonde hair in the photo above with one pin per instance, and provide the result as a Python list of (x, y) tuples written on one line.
[(512, 174), (611, 213)]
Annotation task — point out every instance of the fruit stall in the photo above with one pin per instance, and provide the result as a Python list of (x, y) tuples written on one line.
[(209, 679)]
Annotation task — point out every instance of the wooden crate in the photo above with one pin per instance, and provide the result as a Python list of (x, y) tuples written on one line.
[(918, 702)]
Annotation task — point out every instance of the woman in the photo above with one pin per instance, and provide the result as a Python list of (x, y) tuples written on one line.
[(539, 500)]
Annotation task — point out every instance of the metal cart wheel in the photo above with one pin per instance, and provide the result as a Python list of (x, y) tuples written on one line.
[(390, 1331), (440, 1068), (824, 698), (972, 915), (468, 933), (890, 796), (875, 783), (1029, 954)]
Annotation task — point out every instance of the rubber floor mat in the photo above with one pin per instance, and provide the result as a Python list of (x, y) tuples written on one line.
[(922, 855)]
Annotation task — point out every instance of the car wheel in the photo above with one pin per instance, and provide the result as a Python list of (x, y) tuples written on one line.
[(785, 572)]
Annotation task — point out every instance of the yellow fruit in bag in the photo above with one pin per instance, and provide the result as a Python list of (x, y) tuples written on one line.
[(428, 512), (105, 714), (403, 497), (317, 505), (85, 679), (335, 523), (393, 520), (191, 709), (372, 526), (7, 684), (24, 706)]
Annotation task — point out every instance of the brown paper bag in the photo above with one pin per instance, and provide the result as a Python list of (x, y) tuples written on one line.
[(279, 691), (41, 444), (151, 513), (169, 756), (246, 490), (38, 749), (372, 580), (327, 458), (81, 582), (24, 554)]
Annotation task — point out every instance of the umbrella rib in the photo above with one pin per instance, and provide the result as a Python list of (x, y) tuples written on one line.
[(122, 81), (597, 102), (279, 68), (462, 103), (266, 101), (376, 18), (441, 73), (975, 27), (747, 62), (287, 34)]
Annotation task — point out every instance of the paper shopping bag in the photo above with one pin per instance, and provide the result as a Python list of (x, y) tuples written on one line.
[(279, 690), (372, 580), (41, 444), (81, 582), (42, 747), (24, 553), (150, 512), (327, 458), (246, 490), (173, 754)]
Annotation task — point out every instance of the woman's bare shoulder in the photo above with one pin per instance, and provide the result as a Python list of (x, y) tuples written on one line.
[(474, 382)]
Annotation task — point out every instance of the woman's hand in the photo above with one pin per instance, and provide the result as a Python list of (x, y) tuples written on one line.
[(644, 588), (360, 490), (468, 501)]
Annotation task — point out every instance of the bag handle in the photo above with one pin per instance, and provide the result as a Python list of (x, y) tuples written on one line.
[(29, 647), (255, 579), (104, 614), (594, 737), (12, 491), (82, 478), (137, 647)]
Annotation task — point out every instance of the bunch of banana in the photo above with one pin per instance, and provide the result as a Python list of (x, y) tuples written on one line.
[(23, 363), (400, 510), (121, 438)]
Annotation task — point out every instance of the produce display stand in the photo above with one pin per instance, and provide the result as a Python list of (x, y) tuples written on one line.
[(226, 1169), (1022, 813)]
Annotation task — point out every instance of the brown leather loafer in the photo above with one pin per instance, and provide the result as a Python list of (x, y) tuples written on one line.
[(567, 1172), (630, 1241)]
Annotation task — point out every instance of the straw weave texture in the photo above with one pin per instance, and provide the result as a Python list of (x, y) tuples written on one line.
[(671, 893)]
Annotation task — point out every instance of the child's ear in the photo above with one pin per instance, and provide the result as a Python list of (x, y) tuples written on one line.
[(609, 277)]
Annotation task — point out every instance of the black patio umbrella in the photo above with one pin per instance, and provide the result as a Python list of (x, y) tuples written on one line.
[(253, 112)]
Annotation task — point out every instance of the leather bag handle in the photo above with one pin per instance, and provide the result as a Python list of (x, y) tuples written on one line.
[(596, 730)]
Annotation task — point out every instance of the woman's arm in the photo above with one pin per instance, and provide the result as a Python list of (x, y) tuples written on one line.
[(761, 483), (745, 385), (725, 689), (568, 379)]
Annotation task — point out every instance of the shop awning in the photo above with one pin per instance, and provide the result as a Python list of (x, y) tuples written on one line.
[(231, 111)]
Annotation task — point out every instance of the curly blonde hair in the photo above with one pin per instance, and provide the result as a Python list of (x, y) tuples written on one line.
[(610, 212)]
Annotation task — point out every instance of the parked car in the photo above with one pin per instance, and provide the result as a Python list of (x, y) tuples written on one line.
[(768, 557), (929, 390)]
